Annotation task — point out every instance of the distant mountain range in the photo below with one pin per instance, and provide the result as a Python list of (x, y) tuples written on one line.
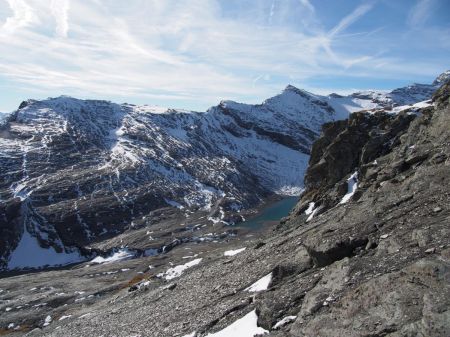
[(74, 171)]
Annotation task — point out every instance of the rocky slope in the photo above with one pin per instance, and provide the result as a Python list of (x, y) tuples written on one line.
[(75, 172), (366, 252)]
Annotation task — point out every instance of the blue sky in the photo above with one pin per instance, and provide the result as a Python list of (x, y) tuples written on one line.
[(193, 53)]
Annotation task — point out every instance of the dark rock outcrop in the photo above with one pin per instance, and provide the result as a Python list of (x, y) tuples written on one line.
[(345, 146)]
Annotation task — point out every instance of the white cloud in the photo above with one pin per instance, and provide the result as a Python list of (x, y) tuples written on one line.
[(60, 10), (176, 50), (23, 15)]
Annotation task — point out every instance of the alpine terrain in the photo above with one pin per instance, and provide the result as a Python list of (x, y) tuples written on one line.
[(125, 220)]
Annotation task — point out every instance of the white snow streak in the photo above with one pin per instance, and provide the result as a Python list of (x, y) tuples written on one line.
[(310, 208), (234, 252), (311, 211), (284, 321), (352, 184)]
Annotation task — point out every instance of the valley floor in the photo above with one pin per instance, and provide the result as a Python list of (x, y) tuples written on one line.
[(28, 298)]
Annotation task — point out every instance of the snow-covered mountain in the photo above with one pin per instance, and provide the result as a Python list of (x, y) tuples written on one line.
[(442, 78), (74, 171)]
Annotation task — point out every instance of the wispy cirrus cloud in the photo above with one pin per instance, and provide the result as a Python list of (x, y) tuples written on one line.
[(180, 52), (307, 5), (420, 12), (355, 15)]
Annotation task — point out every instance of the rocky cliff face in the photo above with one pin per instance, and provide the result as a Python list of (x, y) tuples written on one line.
[(388, 243), (345, 146), (366, 252)]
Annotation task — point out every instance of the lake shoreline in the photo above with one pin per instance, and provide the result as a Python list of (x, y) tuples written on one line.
[(269, 213)]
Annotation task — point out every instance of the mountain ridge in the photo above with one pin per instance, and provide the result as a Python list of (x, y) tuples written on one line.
[(77, 170), (365, 252)]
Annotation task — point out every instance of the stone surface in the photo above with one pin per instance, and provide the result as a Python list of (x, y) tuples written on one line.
[(378, 265)]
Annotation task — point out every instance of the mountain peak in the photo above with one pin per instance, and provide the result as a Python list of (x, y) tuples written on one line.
[(301, 92), (291, 87), (442, 78)]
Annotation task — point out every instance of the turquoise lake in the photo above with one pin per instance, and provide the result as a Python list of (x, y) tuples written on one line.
[(273, 212)]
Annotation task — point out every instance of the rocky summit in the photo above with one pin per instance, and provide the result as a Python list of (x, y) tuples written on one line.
[(146, 206)]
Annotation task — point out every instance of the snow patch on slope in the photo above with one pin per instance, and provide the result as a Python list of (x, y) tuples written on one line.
[(193, 334), (412, 107), (246, 326), (29, 254), (234, 252), (311, 211), (120, 255), (284, 321), (177, 271), (260, 285), (346, 105), (352, 185)]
